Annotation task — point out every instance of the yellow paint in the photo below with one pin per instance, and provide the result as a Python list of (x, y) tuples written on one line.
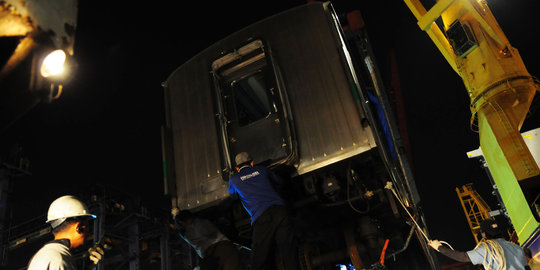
[(475, 208), (434, 32), (500, 90)]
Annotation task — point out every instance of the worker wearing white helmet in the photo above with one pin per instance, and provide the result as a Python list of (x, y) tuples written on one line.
[(69, 219)]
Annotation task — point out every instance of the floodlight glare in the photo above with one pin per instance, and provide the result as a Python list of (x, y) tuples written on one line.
[(53, 64)]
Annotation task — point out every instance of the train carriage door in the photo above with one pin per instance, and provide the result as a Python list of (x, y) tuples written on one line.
[(250, 106)]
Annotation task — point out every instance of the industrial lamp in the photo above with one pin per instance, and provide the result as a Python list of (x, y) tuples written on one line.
[(52, 72), (53, 64)]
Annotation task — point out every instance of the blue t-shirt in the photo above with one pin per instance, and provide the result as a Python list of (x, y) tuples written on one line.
[(513, 254), (254, 187)]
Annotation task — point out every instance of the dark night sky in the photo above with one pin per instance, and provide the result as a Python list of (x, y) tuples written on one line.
[(105, 128)]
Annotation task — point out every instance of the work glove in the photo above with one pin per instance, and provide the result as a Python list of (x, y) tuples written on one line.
[(435, 244), (174, 212), (96, 254)]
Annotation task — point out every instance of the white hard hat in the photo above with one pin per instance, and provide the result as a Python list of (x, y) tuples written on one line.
[(242, 157), (66, 207)]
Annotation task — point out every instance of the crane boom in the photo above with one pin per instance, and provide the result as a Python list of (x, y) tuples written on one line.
[(501, 91)]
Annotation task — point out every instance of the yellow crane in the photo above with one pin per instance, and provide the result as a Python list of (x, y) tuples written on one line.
[(501, 91), (475, 208)]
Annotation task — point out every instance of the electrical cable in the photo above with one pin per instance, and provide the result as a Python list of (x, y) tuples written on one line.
[(495, 252), (446, 243), (58, 92), (389, 186), (349, 200)]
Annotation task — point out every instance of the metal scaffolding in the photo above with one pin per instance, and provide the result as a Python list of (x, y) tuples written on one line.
[(135, 236), (475, 208)]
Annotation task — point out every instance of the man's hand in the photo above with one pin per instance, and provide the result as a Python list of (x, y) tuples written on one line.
[(174, 212), (96, 254), (435, 244)]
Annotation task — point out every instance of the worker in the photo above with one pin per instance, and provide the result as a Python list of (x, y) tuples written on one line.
[(493, 252), (70, 220), (214, 248), (272, 226)]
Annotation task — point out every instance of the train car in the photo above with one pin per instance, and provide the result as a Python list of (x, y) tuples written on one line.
[(290, 91)]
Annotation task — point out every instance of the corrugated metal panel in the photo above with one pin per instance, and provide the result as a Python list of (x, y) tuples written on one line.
[(327, 121), (194, 135), (316, 79)]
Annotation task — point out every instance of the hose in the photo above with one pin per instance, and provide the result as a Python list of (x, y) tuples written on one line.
[(405, 246), (383, 253), (349, 199)]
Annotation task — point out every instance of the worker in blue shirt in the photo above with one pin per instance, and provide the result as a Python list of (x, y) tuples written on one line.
[(272, 226), (493, 252)]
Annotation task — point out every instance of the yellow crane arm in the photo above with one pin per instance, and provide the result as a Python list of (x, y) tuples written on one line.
[(427, 24), (501, 91)]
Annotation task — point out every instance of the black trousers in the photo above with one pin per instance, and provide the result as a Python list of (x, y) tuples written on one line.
[(273, 234)]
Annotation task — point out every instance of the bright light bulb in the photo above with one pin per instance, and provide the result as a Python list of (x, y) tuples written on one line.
[(53, 64)]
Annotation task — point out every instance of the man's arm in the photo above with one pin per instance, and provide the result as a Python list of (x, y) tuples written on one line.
[(232, 190), (459, 256)]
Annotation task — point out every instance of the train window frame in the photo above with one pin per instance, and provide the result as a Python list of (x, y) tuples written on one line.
[(247, 62)]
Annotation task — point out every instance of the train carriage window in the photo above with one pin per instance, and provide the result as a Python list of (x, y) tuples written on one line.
[(251, 98), (245, 80), (249, 106)]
